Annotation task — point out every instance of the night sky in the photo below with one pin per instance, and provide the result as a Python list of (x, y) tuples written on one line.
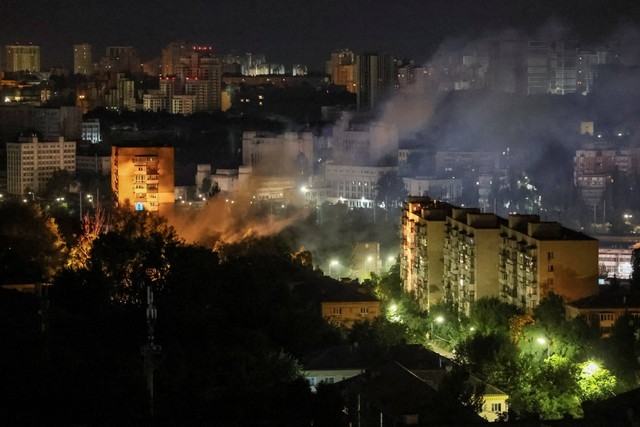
[(301, 31)]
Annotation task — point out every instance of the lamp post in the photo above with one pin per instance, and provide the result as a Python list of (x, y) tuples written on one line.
[(439, 320), (366, 264), (544, 341)]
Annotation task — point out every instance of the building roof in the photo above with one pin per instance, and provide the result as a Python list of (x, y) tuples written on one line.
[(346, 292), (412, 356), (610, 298)]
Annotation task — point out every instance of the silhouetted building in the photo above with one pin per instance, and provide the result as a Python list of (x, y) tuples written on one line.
[(376, 79)]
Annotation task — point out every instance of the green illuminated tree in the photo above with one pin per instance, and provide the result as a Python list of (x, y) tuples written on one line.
[(595, 382)]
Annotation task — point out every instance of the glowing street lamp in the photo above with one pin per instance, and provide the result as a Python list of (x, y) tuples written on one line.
[(439, 320), (366, 264), (590, 368), (333, 263), (544, 341), (390, 259)]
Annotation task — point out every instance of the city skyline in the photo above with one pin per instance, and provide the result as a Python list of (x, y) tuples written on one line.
[(295, 32)]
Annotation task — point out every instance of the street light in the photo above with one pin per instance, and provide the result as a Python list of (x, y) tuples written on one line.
[(366, 264), (439, 320), (390, 259), (590, 368), (333, 263), (544, 341)]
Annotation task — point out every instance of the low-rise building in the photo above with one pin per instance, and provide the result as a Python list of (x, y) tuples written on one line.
[(605, 308), (350, 303)]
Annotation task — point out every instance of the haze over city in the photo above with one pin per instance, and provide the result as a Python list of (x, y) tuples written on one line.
[(362, 213)]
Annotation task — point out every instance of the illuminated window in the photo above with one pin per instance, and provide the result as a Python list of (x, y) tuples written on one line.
[(496, 407)]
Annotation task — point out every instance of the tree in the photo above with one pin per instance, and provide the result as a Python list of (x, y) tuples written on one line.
[(92, 227), (595, 382), (58, 185), (31, 248), (491, 315), (550, 311), (548, 390)]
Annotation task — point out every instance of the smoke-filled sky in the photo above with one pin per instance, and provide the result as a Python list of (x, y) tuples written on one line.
[(293, 31)]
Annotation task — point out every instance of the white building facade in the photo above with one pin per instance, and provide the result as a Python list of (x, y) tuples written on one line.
[(31, 164)]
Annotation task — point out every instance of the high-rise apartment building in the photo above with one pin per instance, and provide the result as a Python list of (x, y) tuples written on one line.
[(423, 226), (200, 74), (119, 59), (82, 59), (461, 255), (122, 96), (171, 55), (538, 257), (594, 168), (470, 257), (31, 163), (551, 67), (22, 58), (53, 123), (343, 69), (376, 79), (143, 178)]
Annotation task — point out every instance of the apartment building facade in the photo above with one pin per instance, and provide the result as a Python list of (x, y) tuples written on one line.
[(539, 257), (143, 178), (31, 163), (460, 255), (423, 226)]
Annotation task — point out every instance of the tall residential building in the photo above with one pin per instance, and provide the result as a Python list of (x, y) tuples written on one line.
[(594, 168), (53, 123), (587, 63), (507, 66), (423, 227), (119, 59), (551, 67), (143, 178), (538, 257), (376, 79), (469, 255), (171, 55), (122, 96), (31, 163), (200, 74), (82, 59), (22, 58), (343, 69)]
